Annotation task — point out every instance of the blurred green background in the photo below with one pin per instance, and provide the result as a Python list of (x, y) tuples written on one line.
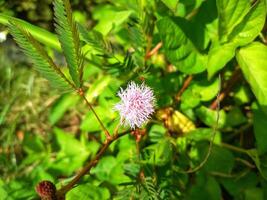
[(47, 135)]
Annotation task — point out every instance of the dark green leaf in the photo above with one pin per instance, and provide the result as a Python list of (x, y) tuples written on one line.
[(179, 50)]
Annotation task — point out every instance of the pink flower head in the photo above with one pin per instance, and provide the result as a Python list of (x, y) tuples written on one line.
[(136, 105)]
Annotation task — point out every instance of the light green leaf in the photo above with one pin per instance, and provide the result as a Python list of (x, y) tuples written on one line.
[(253, 62), (68, 37), (40, 34), (250, 27), (209, 116), (231, 13), (203, 134), (206, 90), (106, 22), (179, 50), (72, 154), (88, 191), (171, 4), (219, 56), (61, 105), (111, 170)]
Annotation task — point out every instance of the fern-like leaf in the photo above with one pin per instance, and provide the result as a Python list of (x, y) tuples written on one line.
[(67, 31), (96, 40), (42, 62)]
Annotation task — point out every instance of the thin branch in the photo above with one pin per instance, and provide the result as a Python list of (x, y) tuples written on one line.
[(234, 148), (185, 85), (212, 137), (229, 85), (86, 169), (153, 51), (81, 93)]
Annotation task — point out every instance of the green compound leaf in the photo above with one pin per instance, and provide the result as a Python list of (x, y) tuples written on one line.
[(179, 49), (42, 62), (252, 60), (68, 36)]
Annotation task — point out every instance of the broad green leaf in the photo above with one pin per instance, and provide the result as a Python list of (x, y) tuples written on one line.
[(250, 27), (235, 117), (243, 33), (88, 191), (190, 98), (254, 155), (179, 50), (60, 107), (209, 117), (111, 170), (231, 13), (253, 62), (206, 90), (259, 124), (171, 4), (203, 134), (219, 56), (106, 22), (68, 37), (38, 33), (159, 154), (42, 62), (220, 160), (157, 132), (254, 193), (72, 154), (237, 186), (205, 187)]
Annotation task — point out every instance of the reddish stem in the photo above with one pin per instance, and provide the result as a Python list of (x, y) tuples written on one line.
[(153, 51), (227, 89), (86, 169), (185, 85)]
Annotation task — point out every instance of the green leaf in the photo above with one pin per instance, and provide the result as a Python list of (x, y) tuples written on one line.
[(253, 62), (60, 107), (231, 13), (156, 133), (159, 154), (88, 191), (68, 36), (259, 124), (95, 39), (220, 160), (219, 56), (236, 187), (250, 27), (206, 90), (42, 62), (205, 187), (254, 193), (171, 4), (40, 34), (111, 170), (105, 22), (235, 117), (72, 154), (203, 134), (208, 116), (179, 50)]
